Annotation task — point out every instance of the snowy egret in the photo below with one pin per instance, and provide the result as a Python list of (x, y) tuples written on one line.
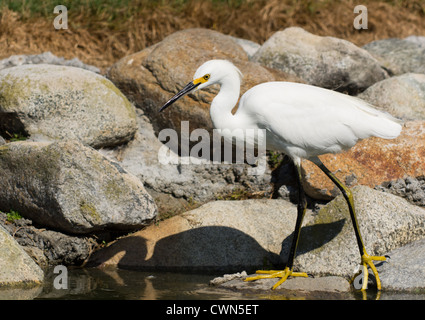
[(301, 121)]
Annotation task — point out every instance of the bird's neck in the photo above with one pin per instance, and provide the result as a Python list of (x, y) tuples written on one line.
[(225, 101)]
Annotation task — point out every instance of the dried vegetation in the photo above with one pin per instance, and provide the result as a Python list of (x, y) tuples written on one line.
[(102, 34)]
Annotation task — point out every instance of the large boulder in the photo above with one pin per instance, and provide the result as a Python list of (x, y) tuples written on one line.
[(152, 76), (328, 245), (402, 96), (69, 187), (370, 162), (16, 267), (321, 61), (398, 56), (50, 102), (220, 235)]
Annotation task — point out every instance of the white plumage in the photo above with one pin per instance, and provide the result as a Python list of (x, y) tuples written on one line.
[(300, 120)]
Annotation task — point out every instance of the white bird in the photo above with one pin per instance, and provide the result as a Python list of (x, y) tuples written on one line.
[(302, 121)]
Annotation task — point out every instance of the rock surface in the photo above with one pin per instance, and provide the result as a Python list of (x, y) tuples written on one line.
[(44, 58), (321, 61), (370, 162), (47, 247), (220, 235), (402, 96), (412, 189), (330, 285), (419, 40), (328, 246), (398, 56), (48, 102), (16, 267), (70, 187), (405, 271), (172, 184), (250, 47)]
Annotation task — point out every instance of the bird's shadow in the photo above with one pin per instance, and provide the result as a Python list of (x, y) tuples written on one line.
[(313, 237), (211, 249)]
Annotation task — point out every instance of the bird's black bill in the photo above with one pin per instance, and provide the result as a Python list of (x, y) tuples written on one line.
[(189, 87)]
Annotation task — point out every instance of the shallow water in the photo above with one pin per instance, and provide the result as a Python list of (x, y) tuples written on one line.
[(117, 284)]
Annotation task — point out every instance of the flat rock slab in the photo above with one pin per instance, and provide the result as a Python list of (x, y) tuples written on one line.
[(322, 287), (405, 270)]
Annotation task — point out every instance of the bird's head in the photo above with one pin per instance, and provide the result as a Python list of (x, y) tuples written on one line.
[(211, 72)]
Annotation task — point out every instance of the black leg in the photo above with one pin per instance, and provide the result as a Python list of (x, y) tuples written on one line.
[(284, 274), (366, 259), (301, 208), (348, 195)]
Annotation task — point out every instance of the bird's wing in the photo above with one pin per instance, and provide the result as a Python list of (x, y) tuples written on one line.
[(313, 119)]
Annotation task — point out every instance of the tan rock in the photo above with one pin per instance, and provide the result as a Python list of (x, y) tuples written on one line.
[(152, 76), (371, 162)]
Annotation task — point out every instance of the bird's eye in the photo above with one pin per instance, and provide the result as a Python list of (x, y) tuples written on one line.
[(206, 77)]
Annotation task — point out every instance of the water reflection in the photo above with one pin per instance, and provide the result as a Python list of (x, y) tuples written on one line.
[(117, 284), (113, 283)]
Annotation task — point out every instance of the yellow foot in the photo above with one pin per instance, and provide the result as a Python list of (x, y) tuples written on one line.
[(283, 275), (367, 261)]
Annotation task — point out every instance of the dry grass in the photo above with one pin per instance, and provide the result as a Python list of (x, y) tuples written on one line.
[(101, 39)]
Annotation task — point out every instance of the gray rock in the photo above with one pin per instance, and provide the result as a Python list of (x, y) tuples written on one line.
[(16, 267), (402, 96), (329, 285), (328, 246), (2, 141), (410, 188), (220, 235), (48, 102), (398, 56), (44, 58), (322, 61), (47, 247), (70, 187), (419, 40), (184, 179), (405, 269), (250, 47)]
